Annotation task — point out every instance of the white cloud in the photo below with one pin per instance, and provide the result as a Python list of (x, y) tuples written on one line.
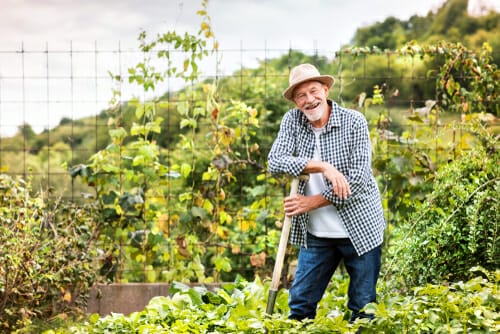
[(234, 21), (89, 24)]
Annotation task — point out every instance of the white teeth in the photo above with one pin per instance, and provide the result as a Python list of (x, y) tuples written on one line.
[(312, 106)]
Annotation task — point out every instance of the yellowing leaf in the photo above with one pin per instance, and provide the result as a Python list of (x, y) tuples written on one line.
[(222, 232), (67, 296), (224, 217), (208, 206), (162, 222), (204, 26), (217, 150), (245, 225)]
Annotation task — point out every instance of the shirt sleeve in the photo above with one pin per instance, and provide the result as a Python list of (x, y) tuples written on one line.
[(359, 167), (282, 158)]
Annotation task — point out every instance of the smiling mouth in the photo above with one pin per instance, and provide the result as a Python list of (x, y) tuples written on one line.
[(312, 105)]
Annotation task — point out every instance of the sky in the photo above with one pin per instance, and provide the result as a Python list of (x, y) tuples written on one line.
[(99, 24), (235, 22)]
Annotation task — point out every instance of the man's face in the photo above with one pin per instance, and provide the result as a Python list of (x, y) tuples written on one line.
[(310, 97)]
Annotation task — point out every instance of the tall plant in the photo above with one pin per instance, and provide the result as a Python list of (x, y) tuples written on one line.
[(149, 224), (130, 179)]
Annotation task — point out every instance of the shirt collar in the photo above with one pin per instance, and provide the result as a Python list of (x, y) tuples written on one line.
[(334, 120)]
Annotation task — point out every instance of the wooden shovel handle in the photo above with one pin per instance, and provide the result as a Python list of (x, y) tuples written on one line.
[(285, 231)]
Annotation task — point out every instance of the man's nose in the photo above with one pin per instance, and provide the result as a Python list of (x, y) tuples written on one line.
[(309, 97)]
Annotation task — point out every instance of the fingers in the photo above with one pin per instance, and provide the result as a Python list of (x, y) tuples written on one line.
[(293, 205), (341, 187), (339, 183)]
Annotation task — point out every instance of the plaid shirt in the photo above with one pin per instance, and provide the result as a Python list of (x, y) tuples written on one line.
[(345, 144)]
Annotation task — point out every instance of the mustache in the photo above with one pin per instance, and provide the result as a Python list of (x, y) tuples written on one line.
[(311, 104)]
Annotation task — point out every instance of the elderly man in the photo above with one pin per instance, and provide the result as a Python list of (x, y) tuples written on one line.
[(338, 213)]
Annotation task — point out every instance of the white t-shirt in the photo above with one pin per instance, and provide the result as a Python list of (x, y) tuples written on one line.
[(324, 222)]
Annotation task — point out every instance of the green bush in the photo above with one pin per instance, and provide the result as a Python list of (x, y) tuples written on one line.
[(470, 307), (462, 307), (456, 227), (45, 255)]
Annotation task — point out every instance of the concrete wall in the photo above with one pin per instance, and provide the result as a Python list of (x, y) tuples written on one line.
[(126, 298)]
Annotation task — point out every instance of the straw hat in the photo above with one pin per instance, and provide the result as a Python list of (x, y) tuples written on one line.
[(303, 73)]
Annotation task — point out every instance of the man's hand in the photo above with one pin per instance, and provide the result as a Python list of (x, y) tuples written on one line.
[(339, 182), (298, 204)]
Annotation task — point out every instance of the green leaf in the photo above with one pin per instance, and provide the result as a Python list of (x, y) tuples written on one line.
[(212, 298), (153, 127), (185, 170), (117, 135), (176, 287), (111, 168), (139, 111), (183, 108), (188, 122), (138, 160), (198, 212), (222, 264), (137, 129), (196, 296)]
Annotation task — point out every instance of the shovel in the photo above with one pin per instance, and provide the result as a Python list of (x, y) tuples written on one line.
[(280, 256)]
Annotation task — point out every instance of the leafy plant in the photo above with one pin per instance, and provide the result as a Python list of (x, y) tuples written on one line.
[(409, 148), (235, 308), (239, 307), (46, 255), (129, 176), (468, 80), (461, 307), (456, 227), (161, 227)]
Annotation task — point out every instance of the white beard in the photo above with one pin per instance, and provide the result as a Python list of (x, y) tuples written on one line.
[(316, 115)]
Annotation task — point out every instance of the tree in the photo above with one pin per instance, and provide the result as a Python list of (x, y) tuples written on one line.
[(388, 34)]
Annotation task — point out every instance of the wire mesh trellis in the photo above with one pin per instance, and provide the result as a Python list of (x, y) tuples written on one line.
[(68, 89)]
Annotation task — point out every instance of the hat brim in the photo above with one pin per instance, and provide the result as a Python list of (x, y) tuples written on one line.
[(324, 79)]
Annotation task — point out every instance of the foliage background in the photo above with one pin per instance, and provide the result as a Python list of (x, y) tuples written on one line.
[(179, 183)]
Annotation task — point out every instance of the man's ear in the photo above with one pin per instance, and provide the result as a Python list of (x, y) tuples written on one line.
[(325, 87)]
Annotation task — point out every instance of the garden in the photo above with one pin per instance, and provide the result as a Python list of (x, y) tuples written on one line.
[(178, 192)]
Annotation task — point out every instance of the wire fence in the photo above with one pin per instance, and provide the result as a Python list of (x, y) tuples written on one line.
[(49, 97)]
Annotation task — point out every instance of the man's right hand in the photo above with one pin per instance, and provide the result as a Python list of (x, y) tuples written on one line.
[(339, 183)]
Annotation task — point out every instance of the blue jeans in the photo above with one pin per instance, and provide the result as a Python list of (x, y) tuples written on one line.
[(318, 262)]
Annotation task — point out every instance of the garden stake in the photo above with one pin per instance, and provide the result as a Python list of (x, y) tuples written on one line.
[(280, 256)]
